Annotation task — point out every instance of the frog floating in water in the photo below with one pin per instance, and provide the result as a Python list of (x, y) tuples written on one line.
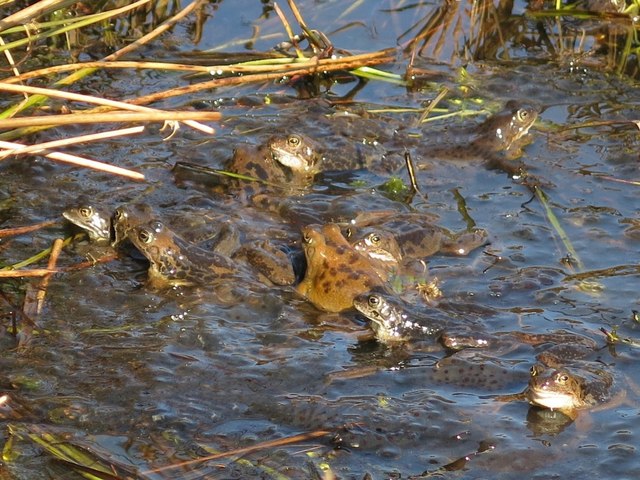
[(272, 263), (93, 221), (411, 236), (568, 389), (175, 262), (127, 217), (336, 272), (496, 141), (392, 323)]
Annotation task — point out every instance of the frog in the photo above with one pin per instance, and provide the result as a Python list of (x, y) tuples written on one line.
[(126, 217), (496, 141), (95, 222), (286, 162), (336, 272), (408, 236), (502, 131), (568, 389), (393, 323), (176, 262)]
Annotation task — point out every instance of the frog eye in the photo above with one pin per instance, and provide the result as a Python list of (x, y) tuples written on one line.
[(374, 238), (119, 214), (522, 114), (86, 212), (534, 371), (348, 232), (562, 378), (374, 301), (294, 140), (145, 236), (306, 238)]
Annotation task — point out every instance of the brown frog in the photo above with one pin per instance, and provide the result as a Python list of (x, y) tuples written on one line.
[(286, 162), (175, 262), (126, 217), (568, 389), (408, 236), (336, 272), (93, 221)]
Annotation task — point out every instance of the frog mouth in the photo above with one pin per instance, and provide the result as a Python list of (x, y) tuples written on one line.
[(550, 399), (294, 162)]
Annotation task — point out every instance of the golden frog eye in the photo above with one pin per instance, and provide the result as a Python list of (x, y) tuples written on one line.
[(374, 301), (306, 238), (86, 212), (522, 114), (534, 371), (119, 214), (348, 233), (374, 238), (562, 378), (294, 141), (145, 236)]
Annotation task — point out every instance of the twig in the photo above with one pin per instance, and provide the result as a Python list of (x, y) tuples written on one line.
[(260, 446), (56, 248), (24, 149), (83, 162), (36, 272), (90, 99), (112, 117), (10, 232)]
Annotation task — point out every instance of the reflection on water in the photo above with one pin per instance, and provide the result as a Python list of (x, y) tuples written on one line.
[(145, 378)]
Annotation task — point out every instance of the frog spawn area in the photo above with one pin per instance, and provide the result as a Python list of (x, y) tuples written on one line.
[(175, 361)]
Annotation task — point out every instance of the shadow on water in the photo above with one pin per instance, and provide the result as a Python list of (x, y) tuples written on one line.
[(118, 380)]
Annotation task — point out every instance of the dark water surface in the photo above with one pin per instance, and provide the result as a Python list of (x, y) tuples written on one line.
[(154, 378)]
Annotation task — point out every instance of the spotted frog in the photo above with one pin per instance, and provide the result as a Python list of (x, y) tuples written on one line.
[(391, 322), (175, 262), (409, 236), (287, 162), (93, 221), (503, 130), (127, 217), (336, 272), (568, 389)]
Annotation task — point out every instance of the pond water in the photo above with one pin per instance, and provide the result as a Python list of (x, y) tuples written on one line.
[(149, 378)]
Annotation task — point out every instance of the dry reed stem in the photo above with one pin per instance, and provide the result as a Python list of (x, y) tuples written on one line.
[(56, 248), (36, 272), (111, 117), (94, 100), (28, 14), (85, 162), (315, 67), (11, 232), (21, 150), (239, 451)]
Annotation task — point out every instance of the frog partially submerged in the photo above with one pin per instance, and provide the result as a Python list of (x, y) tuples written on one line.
[(568, 389), (392, 322), (336, 272), (95, 222), (284, 161), (175, 262), (496, 141), (411, 236), (126, 217)]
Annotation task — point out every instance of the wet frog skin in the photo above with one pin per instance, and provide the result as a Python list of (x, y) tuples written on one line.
[(175, 262), (501, 131), (290, 161), (408, 238), (568, 389), (391, 322), (95, 222), (336, 272), (127, 217)]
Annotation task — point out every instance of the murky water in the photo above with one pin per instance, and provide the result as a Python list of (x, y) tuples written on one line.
[(153, 378)]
